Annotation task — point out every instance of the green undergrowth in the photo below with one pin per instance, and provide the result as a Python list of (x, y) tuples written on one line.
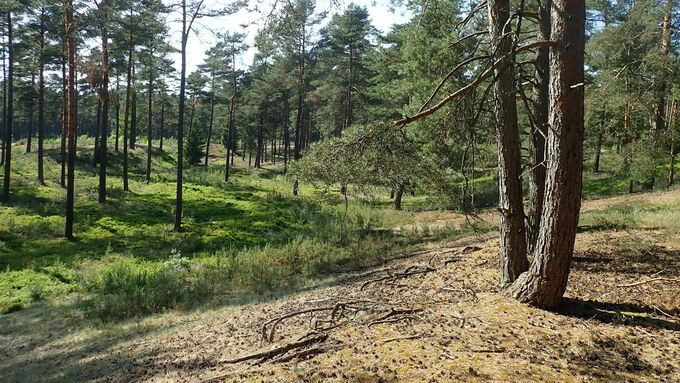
[(248, 234)]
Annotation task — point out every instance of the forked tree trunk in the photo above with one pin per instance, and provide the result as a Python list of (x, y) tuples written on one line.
[(513, 245), (545, 282), (537, 141), (71, 120)]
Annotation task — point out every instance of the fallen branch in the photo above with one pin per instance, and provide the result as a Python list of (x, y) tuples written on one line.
[(649, 281), (266, 355), (409, 271)]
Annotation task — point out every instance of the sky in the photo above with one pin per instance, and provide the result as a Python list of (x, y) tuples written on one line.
[(382, 15)]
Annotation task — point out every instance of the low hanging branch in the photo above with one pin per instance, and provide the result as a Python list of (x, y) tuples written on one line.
[(464, 90)]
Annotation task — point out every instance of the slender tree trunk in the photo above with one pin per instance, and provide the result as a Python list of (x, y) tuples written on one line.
[(103, 135), (117, 112), (133, 112), (4, 101), (97, 130), (210, 122), (71, 120), (10, 110), (128, 97), (180, 125), (672, 121), (230, 138), (161, 130), (64, 116), (29, 118), (513, 246), (545, 282), (149, 133), (41, 98), (286, 141), (598, 153)]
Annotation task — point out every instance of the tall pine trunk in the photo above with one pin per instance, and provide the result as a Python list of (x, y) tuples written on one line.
[(41, 97), (545, 282), (71, 120), (29, 117), (103, 134), (180, 120), (9, 118), (513, 246), (126, 115), (210, 122), (537, 140), (149, 133)]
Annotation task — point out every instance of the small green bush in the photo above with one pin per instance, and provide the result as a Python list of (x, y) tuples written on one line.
[(11, 307)]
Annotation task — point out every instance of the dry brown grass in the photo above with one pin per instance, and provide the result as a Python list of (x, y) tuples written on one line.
[(601, 333)]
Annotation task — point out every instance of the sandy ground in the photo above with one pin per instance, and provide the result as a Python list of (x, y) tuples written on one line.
[(435, 316)]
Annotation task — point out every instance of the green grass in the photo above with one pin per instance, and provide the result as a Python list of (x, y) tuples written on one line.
[(250, 234)]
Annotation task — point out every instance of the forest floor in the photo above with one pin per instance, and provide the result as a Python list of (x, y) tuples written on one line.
[(434, 315)]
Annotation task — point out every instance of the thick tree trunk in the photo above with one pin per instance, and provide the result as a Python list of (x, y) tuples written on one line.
[(513, 246), (4, 102), (97, 131), (537, 141), (9, 118), (71, 120), (545, 282)]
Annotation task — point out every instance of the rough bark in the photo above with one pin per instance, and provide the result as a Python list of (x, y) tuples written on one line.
[(29, 117), (180, 121), (397, 197), (513, 245), (537, 141), (545, 282)]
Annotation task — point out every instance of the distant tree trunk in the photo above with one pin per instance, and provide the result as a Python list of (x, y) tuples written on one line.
[(104, 133), (29, 118), (672, 120), (258, 154), (210, 122), (161, 129), (397, 197), (300, 99), (95, 153), (64, 116), (41, 97), (180, 121), (598, 153), (4, 102), (133, 118), (128, 97), (513, 245), (149, 133), (545, 282), (286, 140), (117, 112), (230, 135), (71, 120), (537, 141), (10, 110)]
